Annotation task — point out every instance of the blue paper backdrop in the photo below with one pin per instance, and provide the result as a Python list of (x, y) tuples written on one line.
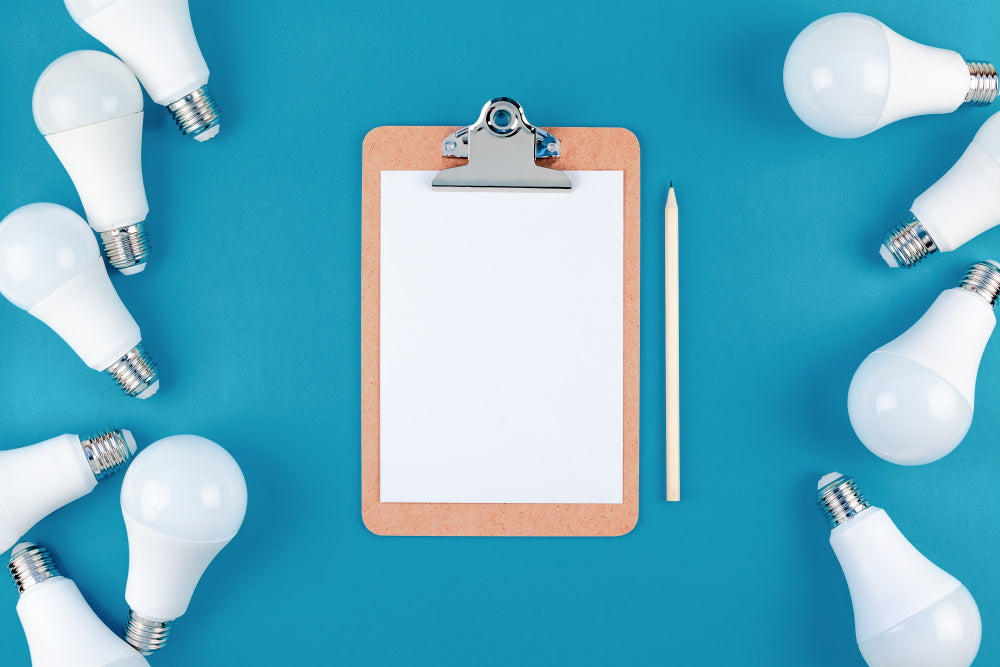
[(251, 306)]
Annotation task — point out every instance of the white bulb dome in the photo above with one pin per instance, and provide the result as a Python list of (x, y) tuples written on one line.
[(847, 75), (83, 88), (904, 412), (908, 612), (837, 75), (42, 247), (183, 499), (186, 487), (946, 634)]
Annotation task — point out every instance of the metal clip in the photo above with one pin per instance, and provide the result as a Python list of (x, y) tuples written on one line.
[(502, 147)]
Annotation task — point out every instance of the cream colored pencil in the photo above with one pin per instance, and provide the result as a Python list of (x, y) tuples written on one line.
[(673, 357)]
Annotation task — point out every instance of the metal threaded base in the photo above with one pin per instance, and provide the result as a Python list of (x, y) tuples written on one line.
[(983, 278), (126, 248), (107, 453), (196, 113), (31, 565), (982, 85), (840, 499), (135, 372), (146, 636), (909, 243)]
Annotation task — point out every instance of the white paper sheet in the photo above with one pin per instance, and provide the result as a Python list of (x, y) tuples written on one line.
[(501, 342)]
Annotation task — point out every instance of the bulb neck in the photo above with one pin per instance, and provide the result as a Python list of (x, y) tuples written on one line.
[(30, 565), (196, 114), (909, 242), (136, 373), (840, 499), (127, 248), (982, 85), (146, 636), (107, 453), (983, 278)]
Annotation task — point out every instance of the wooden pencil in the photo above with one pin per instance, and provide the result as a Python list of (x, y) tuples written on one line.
[(672, 335)]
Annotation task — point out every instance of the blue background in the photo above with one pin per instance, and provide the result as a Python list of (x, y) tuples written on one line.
[(251, 306)]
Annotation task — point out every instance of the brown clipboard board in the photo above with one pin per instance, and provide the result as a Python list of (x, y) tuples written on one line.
[(395, 148)]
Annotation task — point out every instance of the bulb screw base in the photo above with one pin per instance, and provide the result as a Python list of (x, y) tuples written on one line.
[(983, 278), (839, 498), (30, 565), (197, 114), (107, 453), (146, 636), (136, 373), (126, 248), (908, 243), (982, 85)]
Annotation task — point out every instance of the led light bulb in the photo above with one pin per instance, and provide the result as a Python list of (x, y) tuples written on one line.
[(60, 626), (37, 480), (51, 267), (183, 499), (908, 612), (964, 203), (847, 75), (911, 400), (156, 39), (88, 106)]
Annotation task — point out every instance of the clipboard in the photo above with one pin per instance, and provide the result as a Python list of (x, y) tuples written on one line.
[(499, 154)]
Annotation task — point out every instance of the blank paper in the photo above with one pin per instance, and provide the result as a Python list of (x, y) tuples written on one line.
[(501, 343)]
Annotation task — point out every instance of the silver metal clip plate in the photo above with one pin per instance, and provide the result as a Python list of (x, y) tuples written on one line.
[(502, 147)]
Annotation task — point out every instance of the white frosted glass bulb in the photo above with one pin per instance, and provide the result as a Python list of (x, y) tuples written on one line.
[(911, 401), (38, 479), (961, 205), (88, 106), (59, 625), (156, 40), (908, 612), (51, 267), (847, 75), (183, 499)]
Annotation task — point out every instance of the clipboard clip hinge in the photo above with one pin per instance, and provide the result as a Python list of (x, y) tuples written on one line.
[(502, 147)]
